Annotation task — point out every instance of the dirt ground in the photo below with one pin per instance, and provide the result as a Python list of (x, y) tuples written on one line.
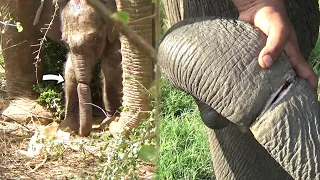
[(69, 162)]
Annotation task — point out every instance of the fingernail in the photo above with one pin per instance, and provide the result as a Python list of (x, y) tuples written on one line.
[(267, 60)]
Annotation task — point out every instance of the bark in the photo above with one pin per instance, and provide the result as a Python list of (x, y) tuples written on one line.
[(137, 66)]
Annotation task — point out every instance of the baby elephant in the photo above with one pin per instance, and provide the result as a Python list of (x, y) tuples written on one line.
[(89, 38)]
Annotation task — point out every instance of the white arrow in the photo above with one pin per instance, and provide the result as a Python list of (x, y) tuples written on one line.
[(52, 77)]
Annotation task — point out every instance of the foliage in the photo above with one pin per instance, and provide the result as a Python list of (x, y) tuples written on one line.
[(1, 60), (120, 155), (121, 16), (54, 57), (175, 102), (51, 95), (8, 21), (314, 58)]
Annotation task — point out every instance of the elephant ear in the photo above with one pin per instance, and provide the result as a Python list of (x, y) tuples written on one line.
[(112, 29)]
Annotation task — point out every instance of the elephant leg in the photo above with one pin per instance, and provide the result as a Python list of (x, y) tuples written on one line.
[(78, 74), (236, 154), (112, 85), (112, 79), (19, 59), (71, 120)]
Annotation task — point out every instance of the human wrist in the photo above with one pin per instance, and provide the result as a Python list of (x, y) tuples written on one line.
[(245, 5)]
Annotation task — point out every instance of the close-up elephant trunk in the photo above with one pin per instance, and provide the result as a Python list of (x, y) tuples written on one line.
[(216, 61)]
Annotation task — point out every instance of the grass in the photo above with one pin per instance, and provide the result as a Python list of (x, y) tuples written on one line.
[(314, 60), (184, 146), (314, 57)]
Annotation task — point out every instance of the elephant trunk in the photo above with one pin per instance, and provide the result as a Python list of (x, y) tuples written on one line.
[(216, 61), (290, 130)]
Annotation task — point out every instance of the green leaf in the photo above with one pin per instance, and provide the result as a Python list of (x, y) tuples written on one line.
[(148, 153), (121, 16), (19, 27)]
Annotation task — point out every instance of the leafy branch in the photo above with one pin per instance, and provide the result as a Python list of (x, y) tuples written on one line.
[(7, 21), (43, 39)]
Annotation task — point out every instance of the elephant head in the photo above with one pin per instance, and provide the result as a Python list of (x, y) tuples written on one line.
[(215, 60)]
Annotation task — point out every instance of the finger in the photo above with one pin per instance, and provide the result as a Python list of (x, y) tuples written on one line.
[(298, 63), (277, 36), (304, 70)]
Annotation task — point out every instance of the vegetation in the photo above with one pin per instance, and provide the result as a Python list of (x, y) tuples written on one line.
[(51, 95), (184, 152), (314, 60)]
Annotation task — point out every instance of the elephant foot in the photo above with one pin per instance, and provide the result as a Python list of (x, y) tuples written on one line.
[(25, 110), (70, 124), (107, 121)]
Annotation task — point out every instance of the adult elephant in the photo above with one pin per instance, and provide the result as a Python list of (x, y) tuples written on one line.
[(289, 148), (87, 37)]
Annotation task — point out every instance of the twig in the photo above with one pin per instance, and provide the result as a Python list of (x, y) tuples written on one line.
[(124, 29), (42, 40), (12, 46), (150, 136), (95, 106), (84, 149), (129, 174), (29, 130), (8, 24), (142, 19), (32, 115), (5, 143), (42, 163), (10, 131), (142, 86), (64, 150), (157, 74)]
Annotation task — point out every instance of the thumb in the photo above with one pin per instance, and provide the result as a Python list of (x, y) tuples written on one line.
[(274, 46)]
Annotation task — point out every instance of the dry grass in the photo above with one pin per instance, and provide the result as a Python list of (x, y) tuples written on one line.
[(77, 158), (69, 164)]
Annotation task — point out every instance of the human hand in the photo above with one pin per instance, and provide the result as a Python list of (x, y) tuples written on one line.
[(271, 18)]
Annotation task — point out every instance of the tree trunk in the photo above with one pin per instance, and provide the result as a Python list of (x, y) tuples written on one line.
[(137, 66)]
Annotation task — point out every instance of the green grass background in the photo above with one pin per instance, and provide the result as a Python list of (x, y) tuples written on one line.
[(184, 152)]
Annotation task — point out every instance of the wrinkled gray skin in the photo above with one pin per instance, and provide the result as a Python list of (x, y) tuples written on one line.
[(87, 38), (240, 96)]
